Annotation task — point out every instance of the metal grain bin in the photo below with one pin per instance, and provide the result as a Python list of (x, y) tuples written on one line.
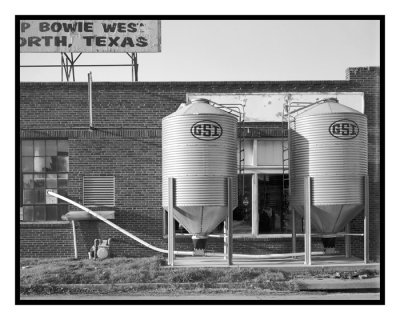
[(329, 143), (199, 151)]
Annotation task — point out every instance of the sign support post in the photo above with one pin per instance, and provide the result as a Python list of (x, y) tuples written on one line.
[(68, 66)]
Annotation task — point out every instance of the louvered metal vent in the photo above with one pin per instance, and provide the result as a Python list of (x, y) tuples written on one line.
[(99, 191)]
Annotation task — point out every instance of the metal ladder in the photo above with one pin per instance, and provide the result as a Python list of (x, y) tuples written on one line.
[(237, 110), (289, 111), (286, 124)]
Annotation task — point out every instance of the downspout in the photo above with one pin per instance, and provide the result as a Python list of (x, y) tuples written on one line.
[(90, 101)]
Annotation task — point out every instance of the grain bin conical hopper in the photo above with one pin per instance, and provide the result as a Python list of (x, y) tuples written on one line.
[(199, 151), (328, 142)]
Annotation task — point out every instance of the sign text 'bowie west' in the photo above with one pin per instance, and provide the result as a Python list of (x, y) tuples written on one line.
[(90, 36)]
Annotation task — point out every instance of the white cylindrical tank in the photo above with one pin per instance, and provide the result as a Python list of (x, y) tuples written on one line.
[(199, 150), (328, 142)]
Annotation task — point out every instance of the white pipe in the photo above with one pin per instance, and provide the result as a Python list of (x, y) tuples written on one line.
[(186, 253), (272, 255), (90, 100), (115, 226)]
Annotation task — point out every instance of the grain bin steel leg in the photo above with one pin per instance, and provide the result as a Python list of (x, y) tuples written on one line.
[(171, 222), (226, 239), (307, 218), (230, 222), (254, 205), (293, 231), (74, 236), (347, 241), (366, 219)]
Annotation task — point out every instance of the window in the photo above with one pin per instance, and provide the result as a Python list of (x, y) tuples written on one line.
[(247, 146), (260, 208), (242, 215), (272, 219), (44, 166), (269, 153)]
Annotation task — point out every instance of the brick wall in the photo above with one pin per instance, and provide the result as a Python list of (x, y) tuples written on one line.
[(127, 144), (368, 81)]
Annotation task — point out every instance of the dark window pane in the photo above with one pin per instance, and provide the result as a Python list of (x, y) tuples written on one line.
[(51, 164), (40, 196), (242, 215), (64, 193), (39, 180), (271, 218), (27, 164), (39, 147), (51, 213), (62, 180), (51, 147), (29, 196), (51, 181), (40, 213), (62, 164), (61, 211), (28, 213), (39, 164), (28, 181), (62, 147), (27, 148)]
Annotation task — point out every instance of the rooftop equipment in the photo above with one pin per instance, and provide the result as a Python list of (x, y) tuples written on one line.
[(199, 150)]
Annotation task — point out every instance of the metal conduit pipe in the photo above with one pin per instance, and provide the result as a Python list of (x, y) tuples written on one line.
[(272, 255), (182, 253)]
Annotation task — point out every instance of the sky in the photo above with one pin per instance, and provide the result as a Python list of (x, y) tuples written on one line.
[(234, 50)]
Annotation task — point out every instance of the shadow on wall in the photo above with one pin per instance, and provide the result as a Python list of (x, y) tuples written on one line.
[(139, 224)]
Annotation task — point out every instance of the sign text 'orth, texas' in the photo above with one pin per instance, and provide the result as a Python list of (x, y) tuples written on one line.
[(90, 36)]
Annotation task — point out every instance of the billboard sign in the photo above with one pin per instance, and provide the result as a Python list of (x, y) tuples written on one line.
[(90, 36)]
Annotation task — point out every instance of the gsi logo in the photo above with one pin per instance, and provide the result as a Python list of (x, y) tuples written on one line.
[(344, 129), (206, 130)]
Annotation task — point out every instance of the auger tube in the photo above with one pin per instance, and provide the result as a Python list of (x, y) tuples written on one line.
[(182, 253)]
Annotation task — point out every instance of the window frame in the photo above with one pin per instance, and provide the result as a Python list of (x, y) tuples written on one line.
[(61, 151), (254, 169)]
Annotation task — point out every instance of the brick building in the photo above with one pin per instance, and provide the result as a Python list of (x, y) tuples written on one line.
[(58, 151)]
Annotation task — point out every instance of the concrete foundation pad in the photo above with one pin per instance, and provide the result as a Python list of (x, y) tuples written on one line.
[(338, 284), (322, 263)]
